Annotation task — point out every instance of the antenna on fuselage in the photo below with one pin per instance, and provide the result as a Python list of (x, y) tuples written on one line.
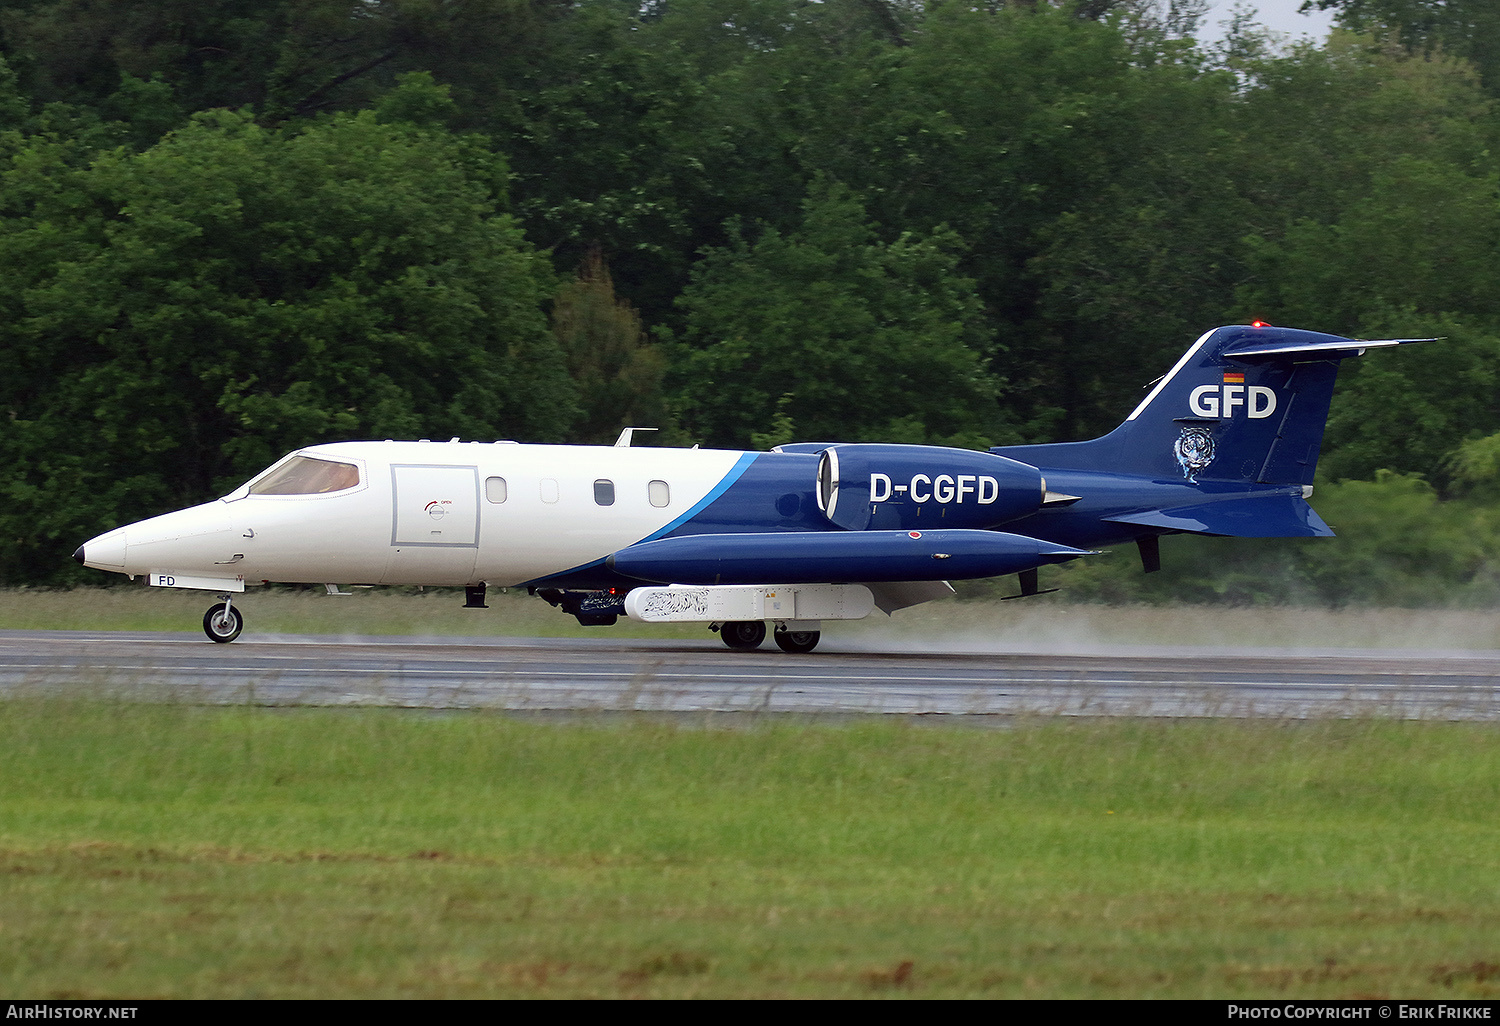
[(623, 442)]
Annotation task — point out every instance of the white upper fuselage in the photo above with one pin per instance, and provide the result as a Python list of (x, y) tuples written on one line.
[(429, 513)]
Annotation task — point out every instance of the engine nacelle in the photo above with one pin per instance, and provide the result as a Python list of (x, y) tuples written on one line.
[(905, 487)]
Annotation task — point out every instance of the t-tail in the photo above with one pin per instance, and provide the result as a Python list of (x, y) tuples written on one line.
[(1226, 443)]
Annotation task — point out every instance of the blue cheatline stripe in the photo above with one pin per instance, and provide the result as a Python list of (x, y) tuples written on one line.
[(735, 473)]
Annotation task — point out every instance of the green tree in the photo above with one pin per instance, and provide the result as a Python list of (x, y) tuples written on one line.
[(210, 52), (1464, 28), (847, 337), (1475, 469), (180, 317), (282, 58), (1410, 410), (1379, 220), (1047, 141), (617, 373)]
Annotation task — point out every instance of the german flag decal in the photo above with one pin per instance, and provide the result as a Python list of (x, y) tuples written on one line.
[(1234, 377)]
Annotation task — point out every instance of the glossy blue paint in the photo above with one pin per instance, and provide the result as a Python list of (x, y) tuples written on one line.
[(843, 557), (1224, 444), (774, 493), (1251, 451), (741, 466), (921, 487)]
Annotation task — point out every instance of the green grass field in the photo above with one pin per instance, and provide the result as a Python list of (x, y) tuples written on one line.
[(174, 851), (168, 850)]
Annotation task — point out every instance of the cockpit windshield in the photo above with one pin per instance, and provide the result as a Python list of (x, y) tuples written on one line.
[(304, 475)]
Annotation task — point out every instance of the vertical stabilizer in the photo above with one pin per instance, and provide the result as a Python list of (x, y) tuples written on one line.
[(1246, 405)]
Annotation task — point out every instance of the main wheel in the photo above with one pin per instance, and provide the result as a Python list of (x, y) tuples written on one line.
[(743, 633), (222, 626), (797, 641)]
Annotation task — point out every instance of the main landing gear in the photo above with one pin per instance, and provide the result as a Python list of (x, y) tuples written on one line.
[(223, 623), (797, 641), (748, 634), (743, 633)]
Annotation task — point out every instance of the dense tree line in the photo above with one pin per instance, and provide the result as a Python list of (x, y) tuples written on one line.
[(228, 228)]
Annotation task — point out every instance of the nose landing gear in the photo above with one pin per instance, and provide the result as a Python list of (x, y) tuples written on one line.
[(223, 623)]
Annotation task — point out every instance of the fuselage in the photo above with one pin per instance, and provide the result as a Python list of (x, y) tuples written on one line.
[(507, 515), (504, 514), (1225, 444), (451, 513)]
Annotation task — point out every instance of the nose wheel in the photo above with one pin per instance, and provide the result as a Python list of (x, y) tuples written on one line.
[(223, 623)]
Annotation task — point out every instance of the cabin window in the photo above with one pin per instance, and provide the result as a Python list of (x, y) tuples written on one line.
[(659, 493), (549, 490), (494, 489), (304, 475), (604, 492)]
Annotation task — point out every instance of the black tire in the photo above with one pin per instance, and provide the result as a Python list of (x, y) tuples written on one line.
[(797, 641), (220, 628), (743, 633)]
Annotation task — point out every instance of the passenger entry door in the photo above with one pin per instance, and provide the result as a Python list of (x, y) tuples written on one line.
[(434, 524)]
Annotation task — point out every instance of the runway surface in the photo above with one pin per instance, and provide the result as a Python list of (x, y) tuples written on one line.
[(602, 675)]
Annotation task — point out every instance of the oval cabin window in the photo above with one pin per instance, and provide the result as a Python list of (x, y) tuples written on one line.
[(604, 492), (494, 489), (660, 493)]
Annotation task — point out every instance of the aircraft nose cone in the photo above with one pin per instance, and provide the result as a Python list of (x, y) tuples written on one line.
[(106, 552)]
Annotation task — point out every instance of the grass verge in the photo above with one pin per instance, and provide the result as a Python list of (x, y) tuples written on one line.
[(174, 851)]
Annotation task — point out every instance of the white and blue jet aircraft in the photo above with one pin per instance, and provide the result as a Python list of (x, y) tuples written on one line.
[(1224, 444)]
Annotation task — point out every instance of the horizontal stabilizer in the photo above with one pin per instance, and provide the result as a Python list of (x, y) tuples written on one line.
[(1321, 346), (1259, 516)]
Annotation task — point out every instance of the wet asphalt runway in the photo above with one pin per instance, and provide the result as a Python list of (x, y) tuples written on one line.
[(601, 675)]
